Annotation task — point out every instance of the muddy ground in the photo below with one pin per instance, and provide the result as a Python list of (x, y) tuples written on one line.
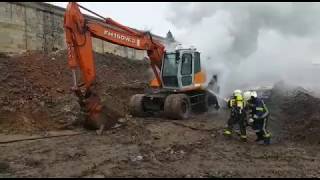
[(148, 147)]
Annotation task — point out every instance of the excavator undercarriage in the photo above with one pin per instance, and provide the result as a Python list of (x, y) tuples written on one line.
[(172, 105)]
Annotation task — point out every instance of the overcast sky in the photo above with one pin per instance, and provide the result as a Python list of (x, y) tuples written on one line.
[(140, 15)]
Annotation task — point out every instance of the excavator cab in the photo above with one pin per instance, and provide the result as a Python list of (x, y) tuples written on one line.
[(182, 88), (179, 69)]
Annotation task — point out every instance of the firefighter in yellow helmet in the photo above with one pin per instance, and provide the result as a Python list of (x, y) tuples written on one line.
[(237, 115)]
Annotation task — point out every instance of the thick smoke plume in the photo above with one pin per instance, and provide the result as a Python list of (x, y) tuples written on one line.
[(250, 44)]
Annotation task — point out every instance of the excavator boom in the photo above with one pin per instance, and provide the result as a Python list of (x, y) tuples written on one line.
[(79, 31)]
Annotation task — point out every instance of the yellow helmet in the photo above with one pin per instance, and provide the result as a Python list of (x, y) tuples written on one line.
[(237, 92)]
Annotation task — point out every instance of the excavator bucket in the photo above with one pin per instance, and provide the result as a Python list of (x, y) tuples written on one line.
[(97, 114)]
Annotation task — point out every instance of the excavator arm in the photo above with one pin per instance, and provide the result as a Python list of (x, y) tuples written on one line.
[(79, 32)]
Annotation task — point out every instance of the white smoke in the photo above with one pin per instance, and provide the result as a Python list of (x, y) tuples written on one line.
[(170, 46), (249, 44)]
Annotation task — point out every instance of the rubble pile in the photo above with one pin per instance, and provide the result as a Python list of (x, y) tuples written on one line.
[(298, 113), (35, 91)]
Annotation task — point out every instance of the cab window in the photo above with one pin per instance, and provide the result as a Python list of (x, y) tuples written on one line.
[(186, 66), (197, 65)]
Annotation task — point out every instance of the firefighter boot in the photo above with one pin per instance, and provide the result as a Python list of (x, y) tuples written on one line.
[(267, 139), (243, 138), (259, 136), (227, 133)]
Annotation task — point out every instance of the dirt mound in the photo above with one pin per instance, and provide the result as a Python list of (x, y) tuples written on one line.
[(35, 91), (297, 113)]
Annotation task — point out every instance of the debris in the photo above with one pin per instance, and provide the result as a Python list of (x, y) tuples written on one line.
[(116, 126), (122, 120), (59, 90), (137, 158)]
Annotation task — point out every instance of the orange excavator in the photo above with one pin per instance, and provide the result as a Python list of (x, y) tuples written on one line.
[(178, 83)]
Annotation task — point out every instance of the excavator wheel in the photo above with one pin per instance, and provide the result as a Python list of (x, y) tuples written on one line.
[(204, 106), (136, 106), (177, 106)]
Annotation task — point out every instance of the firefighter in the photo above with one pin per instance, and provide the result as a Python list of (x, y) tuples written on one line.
[(246, 98), (237, 115), (259, 118)]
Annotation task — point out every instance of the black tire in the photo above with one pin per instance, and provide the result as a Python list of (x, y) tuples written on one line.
[(136, 106), (204, 106), (177, 106)]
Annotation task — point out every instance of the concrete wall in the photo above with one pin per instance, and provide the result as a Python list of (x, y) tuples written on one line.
[(39, 26)]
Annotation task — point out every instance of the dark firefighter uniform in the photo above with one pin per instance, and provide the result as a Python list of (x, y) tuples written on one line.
[(237, 115), (260, 115)]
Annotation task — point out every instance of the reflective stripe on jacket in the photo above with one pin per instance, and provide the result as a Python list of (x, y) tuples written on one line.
[(260, 109)]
